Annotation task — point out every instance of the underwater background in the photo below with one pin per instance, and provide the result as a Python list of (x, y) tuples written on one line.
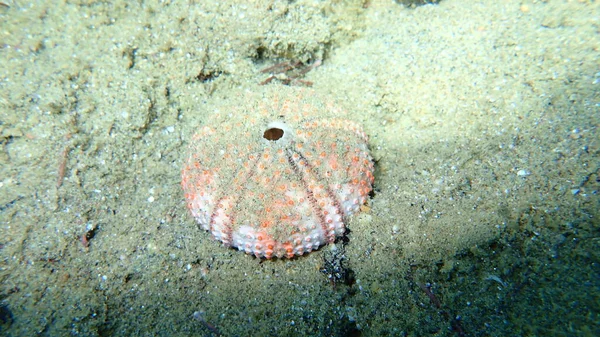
[(482, 119)]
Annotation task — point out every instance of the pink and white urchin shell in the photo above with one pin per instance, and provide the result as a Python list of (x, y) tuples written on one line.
[(277, 175)]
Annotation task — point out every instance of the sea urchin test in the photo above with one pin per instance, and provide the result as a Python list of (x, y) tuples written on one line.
[(279, 174)]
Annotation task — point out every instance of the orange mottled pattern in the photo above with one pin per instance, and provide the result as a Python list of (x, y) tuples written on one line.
[(278, 174)]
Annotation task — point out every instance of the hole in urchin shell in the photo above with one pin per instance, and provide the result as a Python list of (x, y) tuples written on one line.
[(273, 134)]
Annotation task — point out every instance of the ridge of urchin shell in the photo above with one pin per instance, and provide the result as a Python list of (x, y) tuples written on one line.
[(277, 175)]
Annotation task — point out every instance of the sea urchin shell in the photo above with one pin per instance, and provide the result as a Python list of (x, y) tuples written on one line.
[(277, 175)]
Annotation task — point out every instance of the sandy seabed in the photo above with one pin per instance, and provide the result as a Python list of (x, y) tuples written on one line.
[(483, 121)]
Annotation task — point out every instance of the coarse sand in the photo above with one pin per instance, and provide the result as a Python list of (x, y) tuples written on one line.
[(482, 118)]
